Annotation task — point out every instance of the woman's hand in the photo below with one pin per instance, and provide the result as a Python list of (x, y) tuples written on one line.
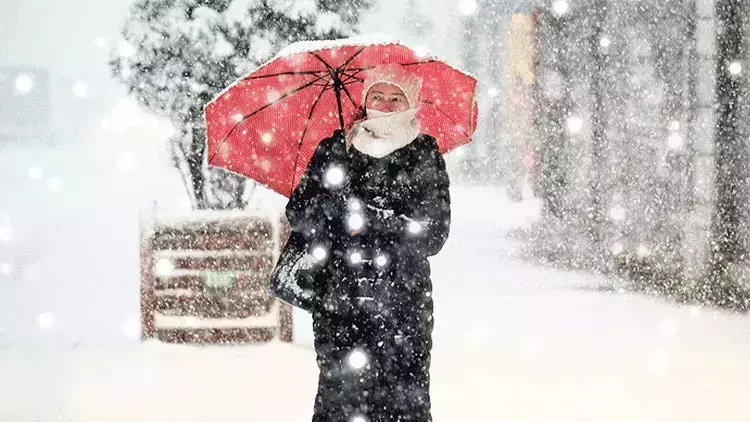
[(338, 135), (419, 222)]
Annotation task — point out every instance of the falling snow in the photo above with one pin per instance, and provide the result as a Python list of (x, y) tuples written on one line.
[(597, 264)]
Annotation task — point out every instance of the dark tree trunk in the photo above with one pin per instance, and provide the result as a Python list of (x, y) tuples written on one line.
[(195, 165), (729, 246), (553, 113), (692, 100), (596, 177)]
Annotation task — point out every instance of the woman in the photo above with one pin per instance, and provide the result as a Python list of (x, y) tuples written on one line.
[(371, 207)]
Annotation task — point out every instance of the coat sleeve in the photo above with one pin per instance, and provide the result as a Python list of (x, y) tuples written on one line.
[(309, 208), (422, 224)]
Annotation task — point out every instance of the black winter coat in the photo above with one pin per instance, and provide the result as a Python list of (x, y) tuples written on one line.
[(372, 293)]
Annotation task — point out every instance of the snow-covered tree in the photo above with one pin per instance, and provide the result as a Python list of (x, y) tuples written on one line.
[(178, 54)]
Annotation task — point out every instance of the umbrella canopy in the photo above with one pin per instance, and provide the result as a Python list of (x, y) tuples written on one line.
[(267, 125)]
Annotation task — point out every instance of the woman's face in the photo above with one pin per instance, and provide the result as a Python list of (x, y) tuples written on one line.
[(386, 98)]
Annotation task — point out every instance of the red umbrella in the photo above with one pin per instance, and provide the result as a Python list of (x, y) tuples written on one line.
[(267, 124)]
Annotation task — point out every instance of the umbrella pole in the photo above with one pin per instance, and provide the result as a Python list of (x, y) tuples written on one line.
[(337, 86)]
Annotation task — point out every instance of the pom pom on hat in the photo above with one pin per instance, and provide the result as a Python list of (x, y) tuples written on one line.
[(393, 74)]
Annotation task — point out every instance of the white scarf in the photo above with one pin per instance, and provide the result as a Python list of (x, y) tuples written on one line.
[(382, 133)]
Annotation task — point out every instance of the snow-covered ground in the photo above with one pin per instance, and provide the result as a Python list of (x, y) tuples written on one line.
[(513, 341)]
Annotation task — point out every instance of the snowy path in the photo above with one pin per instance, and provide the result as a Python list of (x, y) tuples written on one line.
[(513, 342)]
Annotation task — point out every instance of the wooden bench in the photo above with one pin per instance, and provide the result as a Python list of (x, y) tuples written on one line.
[(204, 279)]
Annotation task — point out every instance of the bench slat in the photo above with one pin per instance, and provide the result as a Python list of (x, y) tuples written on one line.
[(196, 281), (214, 306)]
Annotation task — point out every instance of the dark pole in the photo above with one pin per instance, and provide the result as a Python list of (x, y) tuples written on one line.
[(692, 100), (596, 176), (731, 154), (337, 87)]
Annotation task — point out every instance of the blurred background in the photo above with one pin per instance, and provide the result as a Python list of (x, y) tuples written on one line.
[(605, 194)]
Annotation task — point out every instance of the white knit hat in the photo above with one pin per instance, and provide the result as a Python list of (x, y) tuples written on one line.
[(393, 74)]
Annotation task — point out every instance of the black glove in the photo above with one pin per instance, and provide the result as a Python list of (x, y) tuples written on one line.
[(339, 143)]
